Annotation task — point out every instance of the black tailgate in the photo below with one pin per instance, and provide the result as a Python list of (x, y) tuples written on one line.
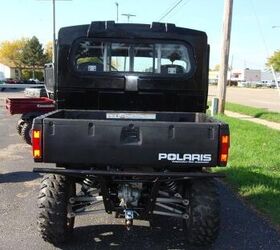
[(130, 142)]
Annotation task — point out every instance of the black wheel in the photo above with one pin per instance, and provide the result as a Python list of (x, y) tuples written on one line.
[(19, 126), (202, 227), (54, 224), (26, 132)]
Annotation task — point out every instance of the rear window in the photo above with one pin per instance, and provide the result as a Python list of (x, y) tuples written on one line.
[(158, 58)]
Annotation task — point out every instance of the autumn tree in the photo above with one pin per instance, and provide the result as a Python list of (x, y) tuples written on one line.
[(274, 61), (216, 67), (33, 54), (48, 50), (11, 53)]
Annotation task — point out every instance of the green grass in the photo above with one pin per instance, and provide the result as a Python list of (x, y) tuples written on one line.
[(254, 165), (255, 112)]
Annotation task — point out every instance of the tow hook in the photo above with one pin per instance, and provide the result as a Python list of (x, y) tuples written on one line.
[(129, 216)]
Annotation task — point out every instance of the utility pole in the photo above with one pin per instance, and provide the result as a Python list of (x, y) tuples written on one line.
[(128, 16), (224, 55), (117, 5), (54, 39), (272, 68)]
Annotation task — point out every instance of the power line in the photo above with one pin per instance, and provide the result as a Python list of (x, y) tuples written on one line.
[(170, 10), (167, 10), (260, 28), (182, 6), (265, 45)]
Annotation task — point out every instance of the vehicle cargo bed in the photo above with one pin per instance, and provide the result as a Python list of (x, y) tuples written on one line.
[(130, 138)]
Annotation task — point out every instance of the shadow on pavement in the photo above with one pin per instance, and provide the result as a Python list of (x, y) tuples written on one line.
[(21, 176), (167, 236)]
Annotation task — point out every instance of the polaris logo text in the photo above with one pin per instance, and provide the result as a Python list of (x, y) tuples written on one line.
[(185, 158), (45, 105)]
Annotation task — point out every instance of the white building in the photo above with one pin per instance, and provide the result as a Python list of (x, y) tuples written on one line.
[(239, 75), (8, 72), (245, 75), (267, 78)]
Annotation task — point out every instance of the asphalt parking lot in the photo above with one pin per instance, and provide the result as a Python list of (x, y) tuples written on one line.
[(241, 228)]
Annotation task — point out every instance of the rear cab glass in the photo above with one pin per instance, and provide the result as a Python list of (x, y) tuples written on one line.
[(91, 56)]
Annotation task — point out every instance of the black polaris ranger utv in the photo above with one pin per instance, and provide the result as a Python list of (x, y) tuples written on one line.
[(130, 130)]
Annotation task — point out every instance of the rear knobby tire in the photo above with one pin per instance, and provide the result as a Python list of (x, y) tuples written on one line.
[(26, 132), (19, 126), (202, 227), (53, 223)]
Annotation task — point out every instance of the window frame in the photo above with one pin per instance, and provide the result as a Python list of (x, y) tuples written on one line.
[(154, 74)]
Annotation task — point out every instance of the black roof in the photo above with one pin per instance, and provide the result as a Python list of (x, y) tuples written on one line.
[(110, 29)]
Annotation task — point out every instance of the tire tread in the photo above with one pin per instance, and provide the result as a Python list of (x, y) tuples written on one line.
[(52, 203), (25, 132), (203, 225)]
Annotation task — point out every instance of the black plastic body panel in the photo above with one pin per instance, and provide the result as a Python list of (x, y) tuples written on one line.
[(108, 92), (91, 138)]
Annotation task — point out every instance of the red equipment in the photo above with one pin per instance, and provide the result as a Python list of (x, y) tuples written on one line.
[(26, 105), (29, 108)]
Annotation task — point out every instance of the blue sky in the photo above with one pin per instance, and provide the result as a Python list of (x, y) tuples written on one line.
[(25, 18)]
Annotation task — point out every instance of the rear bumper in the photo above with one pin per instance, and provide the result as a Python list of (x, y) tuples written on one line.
[(96, 173)]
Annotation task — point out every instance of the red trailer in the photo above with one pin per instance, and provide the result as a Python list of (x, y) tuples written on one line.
[(29, 108)]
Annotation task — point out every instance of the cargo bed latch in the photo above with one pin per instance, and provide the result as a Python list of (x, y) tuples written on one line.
[(131, 83), (130, 134)]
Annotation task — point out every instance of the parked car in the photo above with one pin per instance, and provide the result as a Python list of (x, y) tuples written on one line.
[(35, 80), (27, 82), (11, 81), (269, 84)]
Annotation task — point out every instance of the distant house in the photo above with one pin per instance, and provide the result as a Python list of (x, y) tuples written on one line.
[(245, 75), (9, 71)]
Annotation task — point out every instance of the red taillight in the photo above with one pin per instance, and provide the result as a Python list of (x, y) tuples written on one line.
[(224, 146), (36, 144)]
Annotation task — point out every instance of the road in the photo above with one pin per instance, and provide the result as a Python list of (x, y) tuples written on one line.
[(259, 97), (241, 228)]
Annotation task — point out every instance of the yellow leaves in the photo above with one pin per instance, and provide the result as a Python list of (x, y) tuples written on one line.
[(48, 51), (274, 60), (10, 52), (48, 47)]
